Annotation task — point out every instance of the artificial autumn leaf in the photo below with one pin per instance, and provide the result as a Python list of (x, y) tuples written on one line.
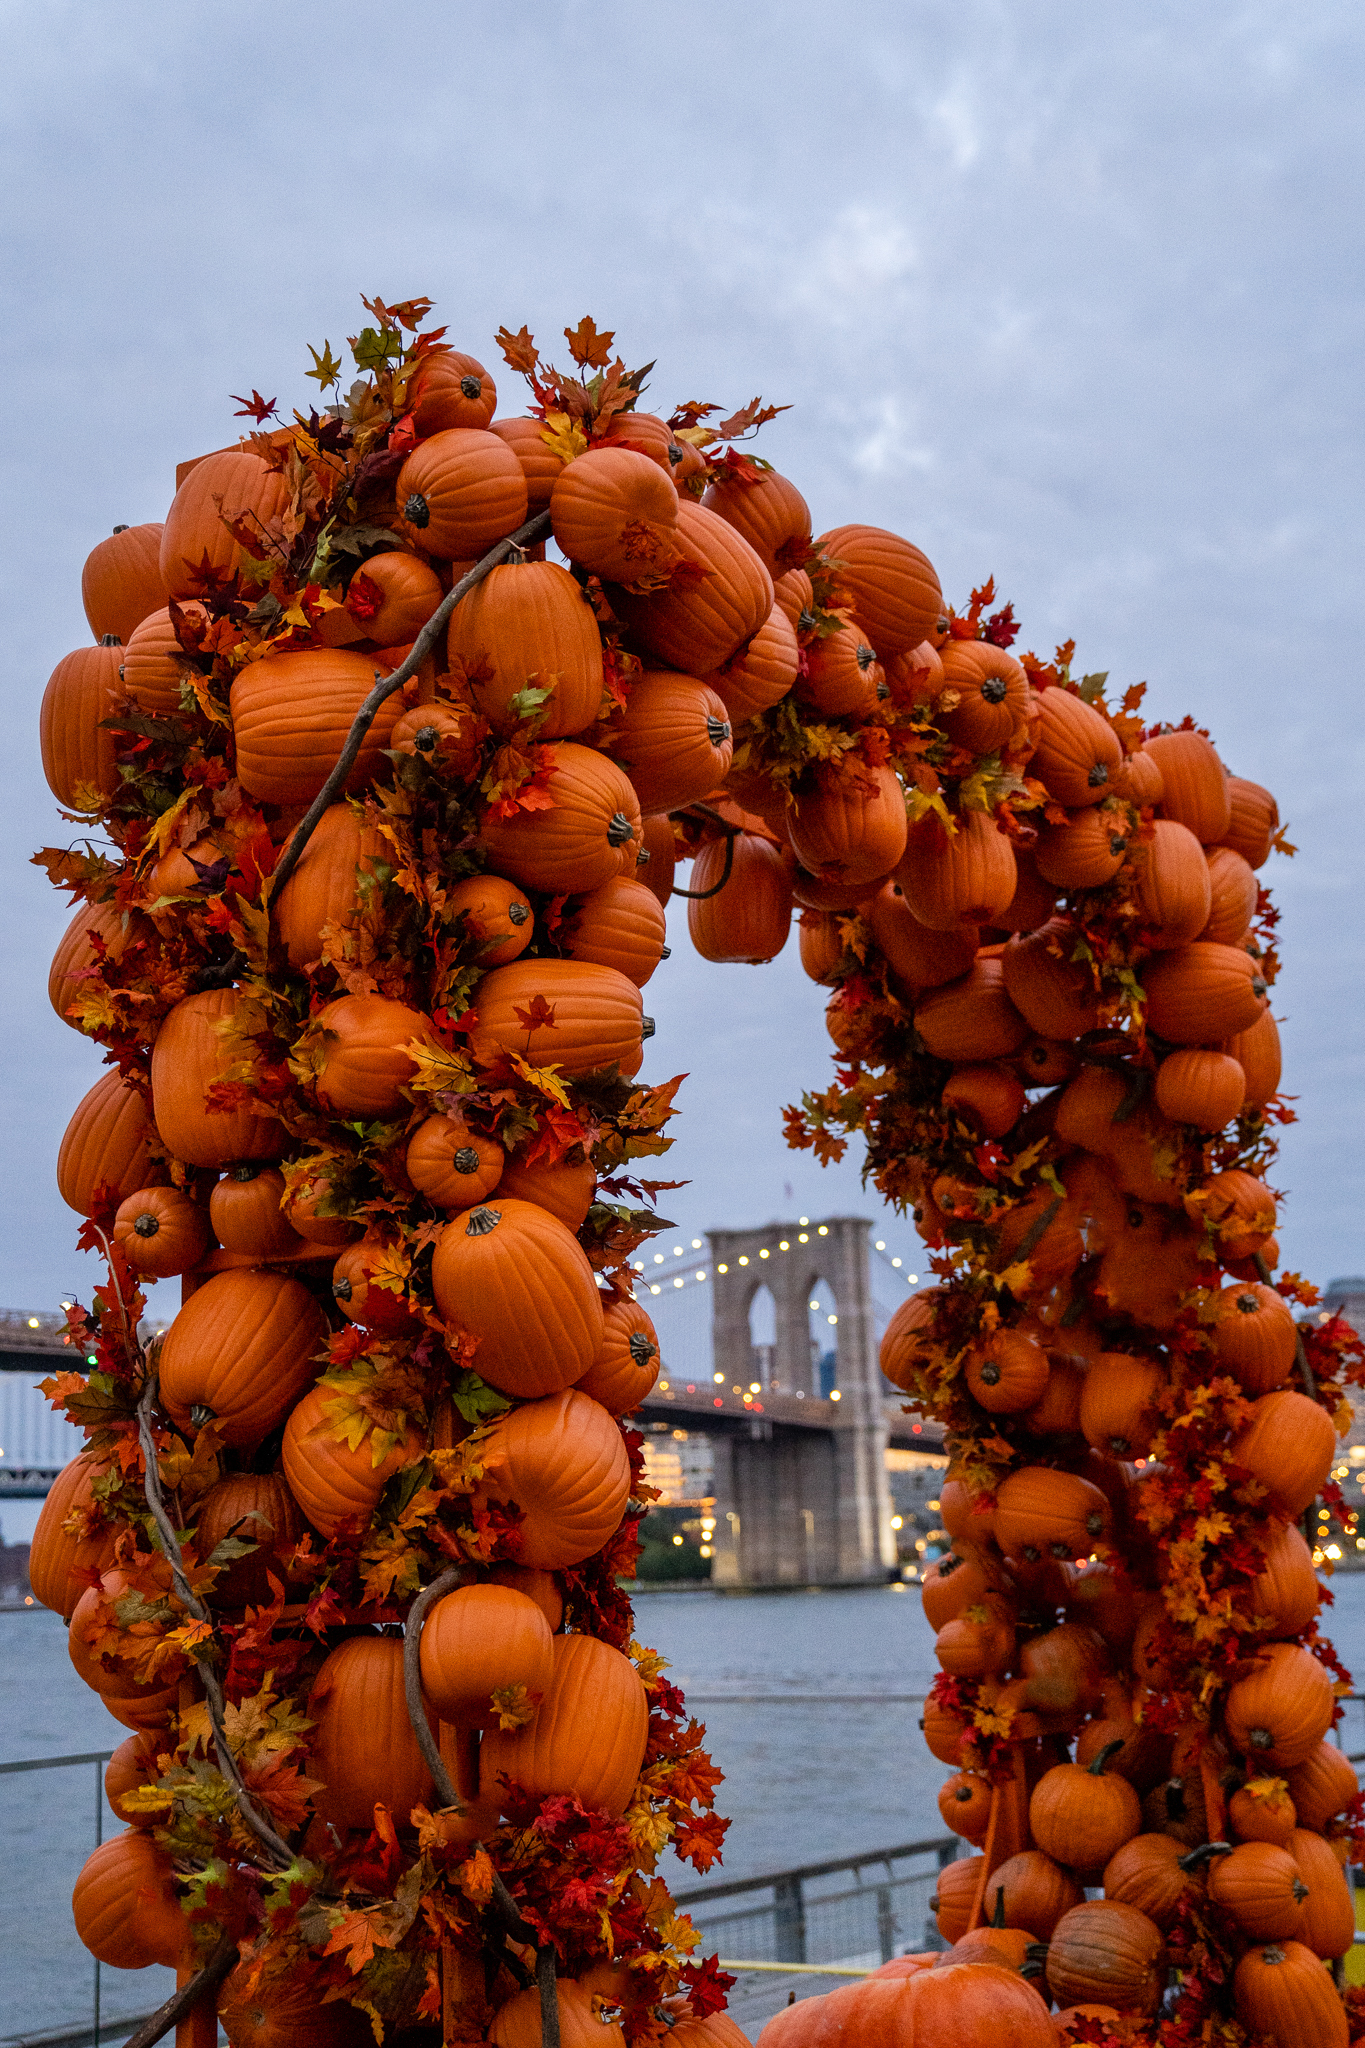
[(255, 407), (519, 351), (590, 349), (326, 368)]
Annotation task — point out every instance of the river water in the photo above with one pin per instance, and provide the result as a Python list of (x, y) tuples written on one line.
[(807, 1699)]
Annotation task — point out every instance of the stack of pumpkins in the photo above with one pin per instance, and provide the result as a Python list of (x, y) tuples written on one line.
[(363, 1117)]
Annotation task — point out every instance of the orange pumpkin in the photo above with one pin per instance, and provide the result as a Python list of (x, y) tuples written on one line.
[(1254, 1336), (1054, 994), (106, 1146), (908, 1340), (1200, 1087), (628, 1364), (388, 601), (1234, 893), (363, 1064), (1322, 1786), (989, 1098), (852, 825), (1049, 1513), (1283, 1992), (1081, 1815), (191, 1056), (841, 675), (1260, 1886), (1088, 850), (1329, 1920), (1200, 992), (1257, 1052), (362, 1289), (459, 492), (1117, 1414), (540, 466), (581, 2025), (251, 1507), (481, 1641), (447, 389), (918, 957), (657, 856), (890, 586), (335, 1485), (155, 665), (498, 919), (1194, 784), (1262, 1811), (619, 925), (1009, 1373), (283, 2011), (60, 1564), (245, 1209), (698, 623), (967, 878), (162, 1231), (132, 1767), (1031, 1891), (1106, 1952), (79, 756), (615, 512), (673, 739), (992, 695), (972, 1018), (749, 916), (566, 1187), (970, 2004), (563, 1462), (125, 1904), (340, 861), (121, 581), (794, 596), (1288, 1444), (1253, 822), (451, 1165), (763, 671), (595, 1017), (528, 627), (768, 510), (363, 1747), (1281, 1712), (291, 715), (230, 487), (588, 1738), (95, 926), (244, 1347), (591, 833), (1077, 757), (517, 1281), (1174, 887)]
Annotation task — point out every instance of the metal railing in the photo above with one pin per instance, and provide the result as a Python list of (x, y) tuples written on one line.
[(807, 1915)]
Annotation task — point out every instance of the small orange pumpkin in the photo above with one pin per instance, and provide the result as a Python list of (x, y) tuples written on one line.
[(628, 1363), (480, 1641), (562, 1461), (163, 1231), (121, 581), (244, 1347), (451, 1165)]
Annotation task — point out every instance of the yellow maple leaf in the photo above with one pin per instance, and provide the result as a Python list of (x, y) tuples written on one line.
[(476, 1878), (545, 1080), (1017, 1278), (563, 436), (1213, 1528), (146, 1799), (438, 1071), (515, 1707)]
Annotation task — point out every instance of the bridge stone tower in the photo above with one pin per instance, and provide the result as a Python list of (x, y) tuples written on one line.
[(801, 1506)]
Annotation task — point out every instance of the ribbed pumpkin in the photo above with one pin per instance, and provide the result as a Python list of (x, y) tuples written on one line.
[(565, 1187), (620, 925), (121, 581), (749, 918), (528, 626), (1200, 1087), (1201, 992), (448, 389), (1262, 1811), (1260, 1886), (388, 600), (189, 1057), (1288, 1445), (1009, 1373), (1088, 850), (968, 2004), (794, 596), (628, 1364), (968, 878), (79, 756), (245, 1209), (1239, 1209), (230, 486), (1055, 996), (1174, 887), (953, 1895), (325, 887), (1234, 892), (1149, 1873), (588, 1738), (964, 1804), (1032, 1891), (363, 1066), (563, 1462), (1257, 1052), (1281, 1712), (1255, 818), (907, 1342), (1077, 757), (1116, 1413), (820, 946), (59, 1564), (648, 435), (291, 715), (283, 2011), (1050, 1513), (459, 492), (452, 1165), (333, 1484), (1194, 784), (597, 1020), (1322, 1786), (1283, 1992), (852, 824), (76, 955), (591, 834), (657, 857), (1103, 1951), (768, 510), (518, 2023), (244, 1346), (761, 674), (253, 1507), (920, 958), (106, 1144), (517, 1281), (972, 1018), (154, 664), (163, 1231), (958, 1581), (701, 620), (615, 512), (361, 1289), (481, 1640), (978, 1642), (989, 1098), (673, 740), (1254, 1336), (125, 1905), (992, 691), (362, 1742), (842, 676), (539, 464), (102, 1667), (1329, 1920), (132, 1766), (890, 585)]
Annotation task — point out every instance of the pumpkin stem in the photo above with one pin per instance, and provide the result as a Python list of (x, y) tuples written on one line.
[(466, 1160), (1035, 1959), (146, 1225), (998, 1917), (416, 511), (619, 830), (200, 1416), (481, 1221), (1110, 1749), (1203, 1853), (647, 1027)]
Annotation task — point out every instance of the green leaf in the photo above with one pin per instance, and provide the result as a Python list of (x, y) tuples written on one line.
[(476, 1401), (527, 702), (375, 347)]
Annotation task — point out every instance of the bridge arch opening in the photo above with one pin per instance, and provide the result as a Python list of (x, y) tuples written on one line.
[(822, 1310), (762, 1335)]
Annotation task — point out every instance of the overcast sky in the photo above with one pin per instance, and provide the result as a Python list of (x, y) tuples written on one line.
[(1067, 294)]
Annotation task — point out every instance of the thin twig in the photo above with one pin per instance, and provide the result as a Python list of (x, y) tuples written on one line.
[(549, 1996), (384, 687), (219, 1965), (277, 1848), (1310, 1385)]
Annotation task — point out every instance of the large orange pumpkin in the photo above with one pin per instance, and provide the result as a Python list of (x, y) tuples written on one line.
[(992, 692), (852, 825), (480, 1641), (768, 510), (155, 665), (245, 1346), (619, 925), (452, 1165), (1174, 887), (1200, 992), (125, 1905), (1280, 1713), (1078, 755), (968, 877), (363, 1747), (673, 740), (446, 388), (512, 1277), (107, 1144), (459, 492), (291, 715), (749, 916), (591, 833), (563, 1461), (581, 2025), (363, 1065), (325, 888), (1322, 1786), (337, 1486), (60, 1565), (891, 586), (628, 1363), (588, 1738), (79, 755), (1283, 1992), (761, 674), (528, 626), (971, 1018), (1109, 1953), (1194, 784), (189, 1058), (1288, 1444), (121, 581), (228, 487), (163, 1231), (596, 1016), (614, 511), (970, 2005), (705, 617)]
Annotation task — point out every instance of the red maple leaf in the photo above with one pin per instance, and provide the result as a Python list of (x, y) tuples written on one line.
[(707, 1986), (537, 1012), (254, 408)]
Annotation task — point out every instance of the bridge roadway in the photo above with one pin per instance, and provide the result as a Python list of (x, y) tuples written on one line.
[(729, 1411)]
